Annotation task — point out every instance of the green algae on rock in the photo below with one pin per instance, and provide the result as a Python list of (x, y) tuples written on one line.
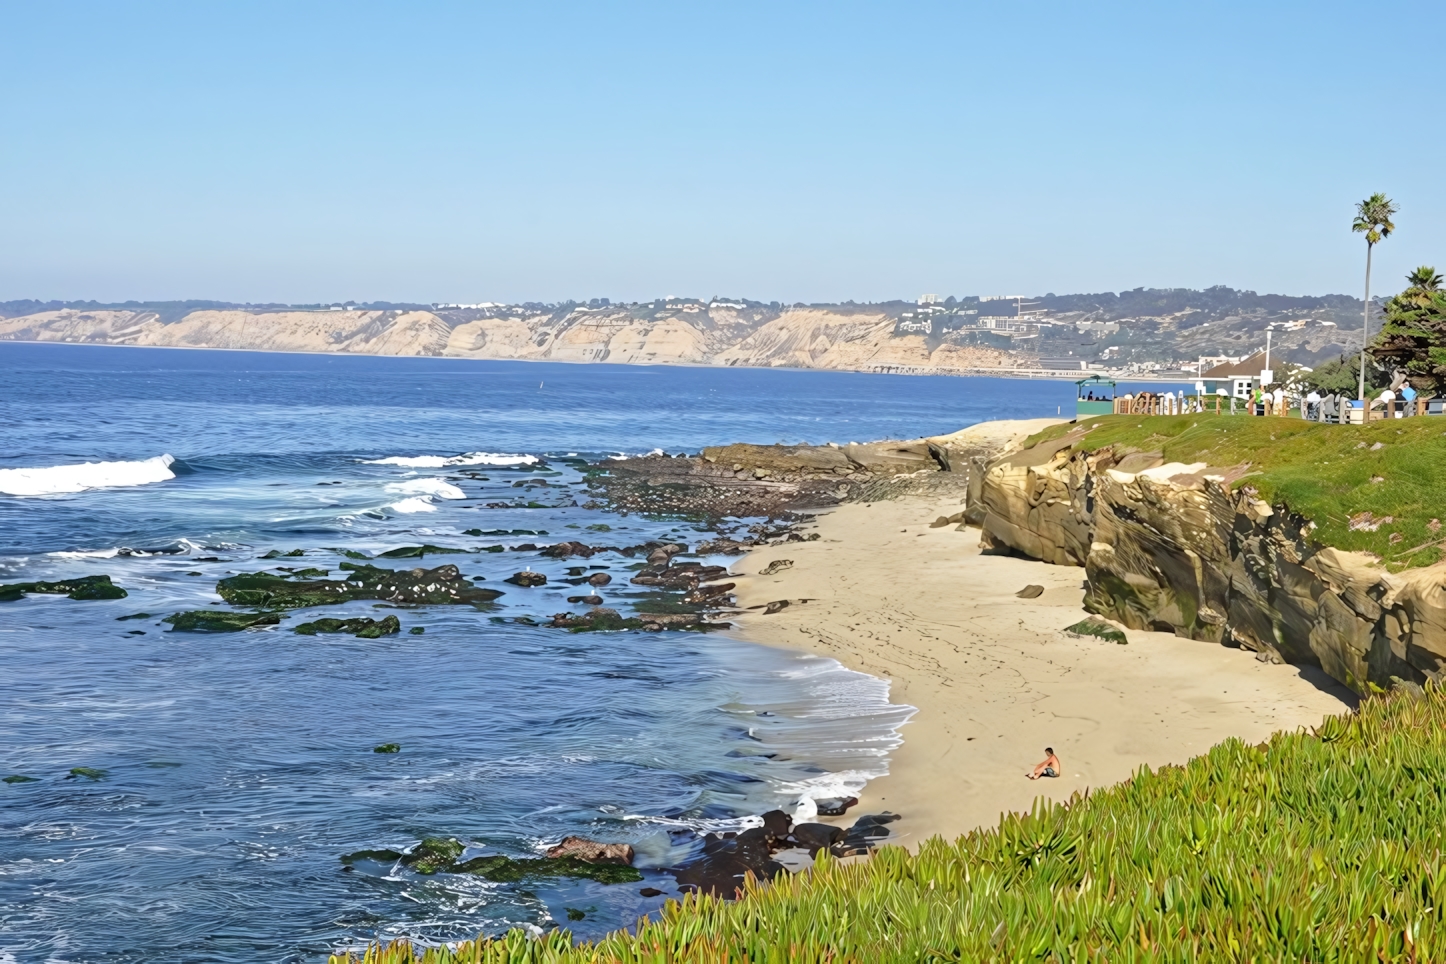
[(1093, 627), (388, 748), (440, 855), (434, 854), (85, 587), (416, 587), (90, 773), (121, 619), (19, 778), (361, 626), (417, 630), (506, 870), (213, 621), (416, 552)]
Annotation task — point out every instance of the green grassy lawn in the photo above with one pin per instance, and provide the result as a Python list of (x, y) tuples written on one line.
[(1330, 474), (1322, 847)]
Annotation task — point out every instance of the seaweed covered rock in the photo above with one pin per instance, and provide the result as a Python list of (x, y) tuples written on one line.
[(85, 587), (599, 619), (416, 552), (434, 854), (441, 854), (506, 870), (363, 627), (215, 621), (415, 587)]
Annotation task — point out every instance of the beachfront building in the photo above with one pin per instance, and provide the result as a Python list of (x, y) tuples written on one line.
[(1094, 395), (1238, 379)]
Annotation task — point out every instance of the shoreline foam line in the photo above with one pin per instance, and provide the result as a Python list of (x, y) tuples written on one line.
[(66, 479)]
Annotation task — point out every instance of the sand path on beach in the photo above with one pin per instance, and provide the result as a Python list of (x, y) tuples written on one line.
[(994, 678)]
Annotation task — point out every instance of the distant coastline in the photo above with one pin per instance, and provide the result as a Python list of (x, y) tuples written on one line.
[(1016, 373), (1142, 335)]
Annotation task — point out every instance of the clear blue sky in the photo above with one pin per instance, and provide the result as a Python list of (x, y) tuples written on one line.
[(794, 151)]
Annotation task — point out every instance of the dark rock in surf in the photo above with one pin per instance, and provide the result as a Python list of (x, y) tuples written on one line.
[(599, 579), (362, 627), (816, 836), (214, 621), (85, 587), (415, 587), (835, 806)]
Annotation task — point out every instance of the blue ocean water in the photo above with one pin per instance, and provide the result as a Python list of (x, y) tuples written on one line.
[(237, 768)]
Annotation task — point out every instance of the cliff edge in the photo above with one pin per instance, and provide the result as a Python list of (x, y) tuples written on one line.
[(1221, 529)]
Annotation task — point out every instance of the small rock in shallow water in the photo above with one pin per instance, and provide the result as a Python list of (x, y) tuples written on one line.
[(17, 778), (388, 748), (650, 892), (417, 630), (836, 806), (527, 579), (599, 579), (90, 773)]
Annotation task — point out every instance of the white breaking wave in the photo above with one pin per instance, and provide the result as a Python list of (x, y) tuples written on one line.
[(60, 479), (417, 504), (434, 487), (442, 461)]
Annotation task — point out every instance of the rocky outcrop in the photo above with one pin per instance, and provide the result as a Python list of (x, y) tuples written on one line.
[(411, 587), (1183, 549)]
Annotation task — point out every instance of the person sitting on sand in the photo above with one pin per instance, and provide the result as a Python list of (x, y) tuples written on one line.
[(1049, 768)]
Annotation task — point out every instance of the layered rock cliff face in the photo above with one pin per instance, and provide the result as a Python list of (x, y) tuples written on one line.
[(857, 340), (1182, 549)]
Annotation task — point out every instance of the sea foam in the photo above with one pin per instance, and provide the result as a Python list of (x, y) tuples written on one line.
[(442, 461), (61, 479), (432, 487)]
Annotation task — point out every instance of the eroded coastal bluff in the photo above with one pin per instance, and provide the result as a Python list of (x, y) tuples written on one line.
[(1201, 549)]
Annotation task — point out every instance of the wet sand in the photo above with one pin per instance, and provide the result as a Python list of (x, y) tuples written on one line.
[(993, 676)]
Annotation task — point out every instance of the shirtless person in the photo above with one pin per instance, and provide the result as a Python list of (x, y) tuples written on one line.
[(1049, 768)]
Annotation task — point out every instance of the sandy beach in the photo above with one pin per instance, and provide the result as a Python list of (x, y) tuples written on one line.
[(994, 678)]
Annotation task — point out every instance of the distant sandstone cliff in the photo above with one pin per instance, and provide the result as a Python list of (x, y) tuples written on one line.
[(860, 339)]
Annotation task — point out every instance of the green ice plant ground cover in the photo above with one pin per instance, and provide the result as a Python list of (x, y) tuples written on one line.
[(1330, 474), (1316, 846)]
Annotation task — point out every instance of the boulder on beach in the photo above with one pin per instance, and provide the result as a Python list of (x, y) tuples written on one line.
[(1031, 591), (599, 579)]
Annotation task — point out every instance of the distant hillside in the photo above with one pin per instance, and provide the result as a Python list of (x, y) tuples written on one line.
[(1137, 331)]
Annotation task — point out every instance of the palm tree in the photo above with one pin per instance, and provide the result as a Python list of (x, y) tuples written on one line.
[(1373, 218)]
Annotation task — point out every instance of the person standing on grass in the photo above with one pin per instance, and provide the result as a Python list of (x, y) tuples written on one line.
[(1049, 768)]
